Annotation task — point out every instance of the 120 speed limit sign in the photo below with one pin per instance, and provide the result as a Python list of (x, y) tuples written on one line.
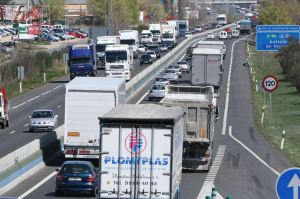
[(270, 83)]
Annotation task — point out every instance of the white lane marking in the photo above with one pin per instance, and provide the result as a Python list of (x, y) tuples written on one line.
[(59, 106), (26, 124), (29, 100), (12, 132), (209, 180), (250, 151), (47, 92), (37, 185), (228, 89), (141, 99)]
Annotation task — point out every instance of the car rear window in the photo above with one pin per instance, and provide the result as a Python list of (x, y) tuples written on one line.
[(76, 168), (158, 87), (42, 114)]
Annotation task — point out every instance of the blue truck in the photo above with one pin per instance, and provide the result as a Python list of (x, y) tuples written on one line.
[(82, 60)]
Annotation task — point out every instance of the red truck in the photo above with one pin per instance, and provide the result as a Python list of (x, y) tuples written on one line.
[(3, 109)]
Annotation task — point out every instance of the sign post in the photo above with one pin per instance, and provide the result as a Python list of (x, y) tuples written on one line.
[(270, 84), (273, 37)]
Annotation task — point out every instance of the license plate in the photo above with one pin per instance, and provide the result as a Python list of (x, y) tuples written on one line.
[(74, 179)]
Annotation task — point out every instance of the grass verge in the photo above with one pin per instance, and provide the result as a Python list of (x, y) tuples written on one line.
[(13, 88), (285, 114)]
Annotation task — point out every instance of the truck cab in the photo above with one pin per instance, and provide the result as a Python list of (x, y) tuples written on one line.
[(82, 60), (119, 61)]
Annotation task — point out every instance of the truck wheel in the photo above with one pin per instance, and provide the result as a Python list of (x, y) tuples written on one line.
[(3, 125), (7, 124)]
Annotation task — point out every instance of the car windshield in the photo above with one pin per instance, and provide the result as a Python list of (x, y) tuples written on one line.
[(80, 61), (76, 168), (151, 53), (152, 47), (181, 62), (116, 56), (170, 71), (42, 114), (158, 87)]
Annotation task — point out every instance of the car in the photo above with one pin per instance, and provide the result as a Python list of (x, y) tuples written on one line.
[(163, 47), (6, 49), (171, 75), (152, 54), (77, 176), (142, 49), (210, 36), (43, 119), (188, 34), (146, 59), (185, 67), (177, 68), (235, 33), (155, 48), (223, 35), (198, 29), (77, 34), (157, 91), (161, 80), (60, 36)]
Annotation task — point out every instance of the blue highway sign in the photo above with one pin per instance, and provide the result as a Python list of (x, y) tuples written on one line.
[(288, 184), (271, 38)]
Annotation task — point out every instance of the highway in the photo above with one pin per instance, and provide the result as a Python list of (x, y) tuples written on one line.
[(249, 165)]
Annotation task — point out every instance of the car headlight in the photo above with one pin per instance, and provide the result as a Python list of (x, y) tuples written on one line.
[(50, 123), (33, 122)]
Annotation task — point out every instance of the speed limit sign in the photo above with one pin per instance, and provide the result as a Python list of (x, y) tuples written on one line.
[(270, 83)]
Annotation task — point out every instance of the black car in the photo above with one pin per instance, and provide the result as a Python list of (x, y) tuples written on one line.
[(77, 176), (145, 59), (155, 48)]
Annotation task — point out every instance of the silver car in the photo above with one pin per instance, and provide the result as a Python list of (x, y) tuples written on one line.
[(184, 66), (161, 80), (158, 91), (171, 75), (177, 68), (42, 120)]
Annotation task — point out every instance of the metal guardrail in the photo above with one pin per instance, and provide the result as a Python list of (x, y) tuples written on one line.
[(139, 81)]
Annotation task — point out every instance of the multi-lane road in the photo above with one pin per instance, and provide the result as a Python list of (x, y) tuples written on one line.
[(247, 166)]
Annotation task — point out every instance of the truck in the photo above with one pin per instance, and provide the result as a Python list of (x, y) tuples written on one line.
[(200, 105), (183, 27), (207, 67), (101, 43), (245, 26), (119, 61), (213, 44), (146, 37), (168, 35), (4, 119), (131, 38), (86, 99), (176, 24), (156, 31), (141, 152), (222, 19), (82, 60)]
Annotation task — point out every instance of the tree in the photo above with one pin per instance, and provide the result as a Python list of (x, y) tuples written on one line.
[(6, 2), (99, 8), (289, 59), (55, 9), (275, 13), (154, 9)]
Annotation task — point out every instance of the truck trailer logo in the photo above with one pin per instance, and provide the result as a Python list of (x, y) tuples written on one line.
[(135, 143)]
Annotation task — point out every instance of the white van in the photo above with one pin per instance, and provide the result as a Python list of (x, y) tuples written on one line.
[(58, 26), (223, 35), (235, 33)]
